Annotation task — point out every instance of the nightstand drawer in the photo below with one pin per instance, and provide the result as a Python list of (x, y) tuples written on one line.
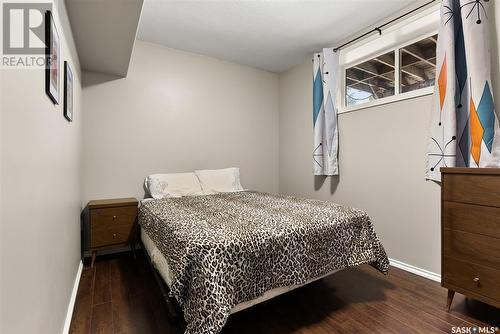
[(470, 247), (474, 278), (106, 235), (113, 216)]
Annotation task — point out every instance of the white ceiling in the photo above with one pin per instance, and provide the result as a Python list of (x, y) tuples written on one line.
[(269, 34)]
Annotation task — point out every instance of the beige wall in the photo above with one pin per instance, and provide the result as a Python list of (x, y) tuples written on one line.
[(40, 195), (175, 112), (382, 161)]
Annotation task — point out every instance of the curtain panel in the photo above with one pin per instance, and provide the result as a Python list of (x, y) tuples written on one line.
[(464, 129), (325, 86)]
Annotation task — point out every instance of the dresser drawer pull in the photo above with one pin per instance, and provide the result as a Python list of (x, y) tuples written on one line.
[(114, 217), (476, 280), (114, 235)]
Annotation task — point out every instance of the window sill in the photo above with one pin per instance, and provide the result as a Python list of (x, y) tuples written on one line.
[(390, 99)]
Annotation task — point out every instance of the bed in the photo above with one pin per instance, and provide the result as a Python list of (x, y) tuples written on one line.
[(221, 253)]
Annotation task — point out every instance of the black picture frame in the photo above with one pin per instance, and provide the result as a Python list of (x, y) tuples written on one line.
[(68, 92), (52, 55)]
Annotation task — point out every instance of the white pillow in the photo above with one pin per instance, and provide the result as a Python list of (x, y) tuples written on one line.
[(173, 185), (219, 180)]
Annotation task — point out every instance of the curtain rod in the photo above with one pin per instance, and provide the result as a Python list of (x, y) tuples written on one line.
[(379, 28)]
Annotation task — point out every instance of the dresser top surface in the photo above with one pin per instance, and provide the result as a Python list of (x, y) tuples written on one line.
[(472, 171)]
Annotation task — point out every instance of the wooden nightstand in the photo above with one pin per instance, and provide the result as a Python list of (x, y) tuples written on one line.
[(113, 222)]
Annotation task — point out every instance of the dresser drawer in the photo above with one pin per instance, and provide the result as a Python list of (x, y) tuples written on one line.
[(474, 278), (472, 188), (106, 235), (113, 216), (475, 248), (472, 218)]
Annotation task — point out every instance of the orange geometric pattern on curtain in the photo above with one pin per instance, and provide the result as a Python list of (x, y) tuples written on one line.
[(442, 84), (476, 132)]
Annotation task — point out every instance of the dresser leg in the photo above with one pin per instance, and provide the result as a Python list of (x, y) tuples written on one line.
[(451, 294), (92, 260)]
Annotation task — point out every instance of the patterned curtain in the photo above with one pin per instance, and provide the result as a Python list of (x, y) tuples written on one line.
[(325, 85), (464, 128)]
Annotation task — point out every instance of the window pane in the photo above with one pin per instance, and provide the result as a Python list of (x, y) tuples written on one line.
[(418, 65), (371, 80)]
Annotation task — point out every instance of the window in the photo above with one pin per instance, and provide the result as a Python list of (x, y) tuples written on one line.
[(387, 78), (371, 80), (418, 65)]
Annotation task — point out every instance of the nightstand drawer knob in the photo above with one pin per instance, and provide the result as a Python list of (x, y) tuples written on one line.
[(114, 235), (114, 217), (476, 280)]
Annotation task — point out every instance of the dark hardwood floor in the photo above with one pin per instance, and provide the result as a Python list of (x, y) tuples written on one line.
[(119, 295)]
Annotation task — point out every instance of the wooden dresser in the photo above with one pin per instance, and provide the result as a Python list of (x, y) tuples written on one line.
[(113, 223), (470, 232)]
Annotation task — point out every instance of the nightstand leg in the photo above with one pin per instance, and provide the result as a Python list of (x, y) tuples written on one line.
[(93, 259), (451, 294)]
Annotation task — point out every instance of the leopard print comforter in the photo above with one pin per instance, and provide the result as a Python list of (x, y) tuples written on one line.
[(228, 248)]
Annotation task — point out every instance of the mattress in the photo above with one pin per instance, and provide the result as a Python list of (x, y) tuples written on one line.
[(161, 265)]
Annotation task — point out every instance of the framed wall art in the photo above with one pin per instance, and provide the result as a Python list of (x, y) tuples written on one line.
[(68, 92), (52, 55)]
